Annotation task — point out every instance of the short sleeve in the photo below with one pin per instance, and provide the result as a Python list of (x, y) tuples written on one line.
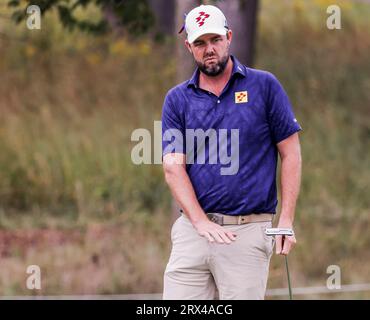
[(173, 127), (281, 117)]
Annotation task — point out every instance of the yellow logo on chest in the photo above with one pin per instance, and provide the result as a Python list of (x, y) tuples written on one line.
[(241, 97)]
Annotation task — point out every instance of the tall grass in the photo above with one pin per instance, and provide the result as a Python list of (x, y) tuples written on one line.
[(66, 121)]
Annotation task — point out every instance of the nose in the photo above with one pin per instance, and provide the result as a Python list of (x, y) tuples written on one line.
[(210, 49)]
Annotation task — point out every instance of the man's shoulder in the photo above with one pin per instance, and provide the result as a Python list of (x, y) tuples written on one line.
[(175, 96), (260, 74), (178, 90), (262, 78)]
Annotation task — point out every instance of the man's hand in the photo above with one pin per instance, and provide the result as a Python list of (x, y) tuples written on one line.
[(214, 232), (284, 244)]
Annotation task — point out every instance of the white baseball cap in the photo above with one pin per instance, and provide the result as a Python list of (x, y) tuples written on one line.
[(205, 19)]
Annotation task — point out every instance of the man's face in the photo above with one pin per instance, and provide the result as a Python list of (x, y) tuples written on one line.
[(211, 52)]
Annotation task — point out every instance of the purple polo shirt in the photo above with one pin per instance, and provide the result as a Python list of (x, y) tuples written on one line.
[(232, 167)]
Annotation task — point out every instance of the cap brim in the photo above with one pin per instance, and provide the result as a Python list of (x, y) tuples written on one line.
[(196, 35)]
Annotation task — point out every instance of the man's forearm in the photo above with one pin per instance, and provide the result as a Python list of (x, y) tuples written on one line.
[(183, 191), (291, 165)]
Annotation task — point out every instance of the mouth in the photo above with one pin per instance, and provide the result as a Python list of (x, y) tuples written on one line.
[(210, 60)]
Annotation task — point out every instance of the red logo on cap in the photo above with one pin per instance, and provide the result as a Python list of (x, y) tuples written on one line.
[(201, 18)]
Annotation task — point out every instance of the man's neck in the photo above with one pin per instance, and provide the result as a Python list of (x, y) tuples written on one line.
[(217, 83)]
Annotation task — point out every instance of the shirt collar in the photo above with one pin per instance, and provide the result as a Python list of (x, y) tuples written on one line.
[(238, 68)]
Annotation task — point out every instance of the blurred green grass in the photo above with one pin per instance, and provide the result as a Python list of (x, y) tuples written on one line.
[(69, 103)]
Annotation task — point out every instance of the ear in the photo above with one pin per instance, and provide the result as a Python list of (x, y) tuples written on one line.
[(188, 46), (229, 36)]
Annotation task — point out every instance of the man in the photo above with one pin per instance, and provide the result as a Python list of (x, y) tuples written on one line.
[(219, 243)]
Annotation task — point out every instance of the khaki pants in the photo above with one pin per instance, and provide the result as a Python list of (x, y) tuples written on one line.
[(198, 269)]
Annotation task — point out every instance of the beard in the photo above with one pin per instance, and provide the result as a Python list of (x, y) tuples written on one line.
[(214, 69)]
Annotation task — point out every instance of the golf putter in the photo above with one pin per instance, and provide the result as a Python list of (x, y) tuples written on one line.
[(282, 232)]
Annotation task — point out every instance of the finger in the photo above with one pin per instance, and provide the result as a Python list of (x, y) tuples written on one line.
[(224, 237), (228, 236), (278, 244), (207, 236), (231, 235), (288, 245), (216, 236)]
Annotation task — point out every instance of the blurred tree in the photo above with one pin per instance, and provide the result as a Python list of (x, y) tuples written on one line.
[(242, 19), (164, 12)]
